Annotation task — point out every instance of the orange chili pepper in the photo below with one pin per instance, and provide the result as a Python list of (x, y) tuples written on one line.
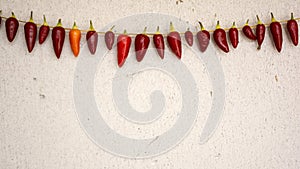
[(75, 36)]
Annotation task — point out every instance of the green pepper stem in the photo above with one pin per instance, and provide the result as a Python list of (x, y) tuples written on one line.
[(112, 27), (172, 29), (91, 26), (59, 23), (273, 18), (247, 22), (125, 32), (292, 16), (233, 25), (45, 21), (31, 17), (258, 20), (218, 25), (74, 26), (145, 30), (201, 26), (13, 15)]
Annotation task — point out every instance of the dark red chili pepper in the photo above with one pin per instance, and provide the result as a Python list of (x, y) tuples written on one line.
[(220, 38), (203, 38), (292, 27), (109, 38), (174, 41), (141, 45), (159, 43), (247, 30), (276, 32), (0, 17), (11, 25), (92, 39), (30, 30), (44, 31), (189, 37), (58, 38), (260, 32), (123, 46), (234, 35)]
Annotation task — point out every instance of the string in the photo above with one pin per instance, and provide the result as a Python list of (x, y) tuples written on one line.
[(151, 34)]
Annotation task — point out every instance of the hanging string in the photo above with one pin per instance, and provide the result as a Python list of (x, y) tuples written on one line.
[(151, 34)]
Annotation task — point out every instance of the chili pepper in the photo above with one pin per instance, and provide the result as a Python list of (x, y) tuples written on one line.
[(159, 43), (11, 25), (92, 39), (247, 30), (30, 30), (292, 27), (141, 45), (189, 37), (58, 38), (234, 35), (276, 32), (174, 41), (74, 38), (44, 31), (203, 38), (123, 46), (220, 38), (260, 32), (109, 38)]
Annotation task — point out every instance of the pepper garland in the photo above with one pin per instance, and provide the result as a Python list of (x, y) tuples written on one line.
[(142, 40)]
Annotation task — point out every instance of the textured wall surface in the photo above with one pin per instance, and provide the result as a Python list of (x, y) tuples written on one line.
[(260, 126)]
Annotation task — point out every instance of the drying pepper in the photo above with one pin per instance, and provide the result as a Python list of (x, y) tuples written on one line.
[(189, 37), (58, 38), (220, 38), (109, 38), (30, 30), (247, 30), (276, 32), (234, 35), (260, 32), (174, 41), (44, 31), (141, 45), (123, 47), (92, 39), (11, 25), (292, 27), (159, 43), (203, 38), (74, 38)]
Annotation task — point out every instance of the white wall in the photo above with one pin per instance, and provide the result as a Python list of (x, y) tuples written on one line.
[(259, 128)]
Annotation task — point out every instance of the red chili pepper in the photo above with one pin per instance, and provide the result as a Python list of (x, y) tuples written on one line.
[(247, 30), (203, 38), (159, 43), (220, 38), (260, 32), (292, 27), (92, 39), (141, 45), (123, 46), (189, 37), (58, 38), (174, 41), (276, 32), (234, 35), (30, 30), (11, 25), (109, 38), (44, 31)]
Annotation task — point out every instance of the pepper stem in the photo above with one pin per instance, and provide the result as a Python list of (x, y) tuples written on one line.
[(13, 15), (59, 23), (157, 30), (91, 26), (45, 21), (145, 30), (273, 19), (233, 25), (258, 20), (172, 29), (125, 32), (112, 27), (31, 17), (218, 25), (74, 26), (201, 26), (292, 16), (247, 22)]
